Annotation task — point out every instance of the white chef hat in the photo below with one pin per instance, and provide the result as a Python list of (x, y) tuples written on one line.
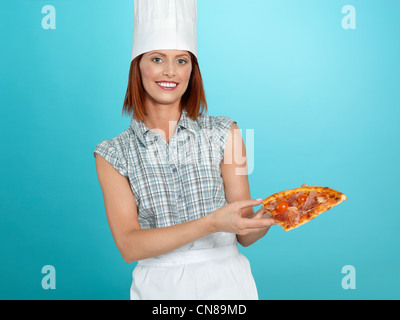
[(163, 25)]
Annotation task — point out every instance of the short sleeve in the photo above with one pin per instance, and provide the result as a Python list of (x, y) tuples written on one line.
[(114, 156), (222, 129)]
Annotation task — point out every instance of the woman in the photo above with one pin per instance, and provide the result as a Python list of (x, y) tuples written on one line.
[(172, 200)]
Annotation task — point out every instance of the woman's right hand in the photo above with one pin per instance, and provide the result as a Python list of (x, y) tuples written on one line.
[(229, 218)]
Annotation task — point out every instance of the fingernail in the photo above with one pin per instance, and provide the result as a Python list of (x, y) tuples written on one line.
[(259, 200)]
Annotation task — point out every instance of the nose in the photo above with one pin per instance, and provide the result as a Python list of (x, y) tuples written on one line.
[(169, 70)]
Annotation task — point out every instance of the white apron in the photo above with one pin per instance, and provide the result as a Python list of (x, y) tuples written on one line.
[(210, 268)]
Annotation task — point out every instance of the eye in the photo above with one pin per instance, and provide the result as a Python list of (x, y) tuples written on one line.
[(157, 60), (182, 61)]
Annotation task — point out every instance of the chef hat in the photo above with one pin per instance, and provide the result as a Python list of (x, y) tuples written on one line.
[(163, 25)]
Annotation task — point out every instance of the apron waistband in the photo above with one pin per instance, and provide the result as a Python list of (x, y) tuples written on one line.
[(191, 256)]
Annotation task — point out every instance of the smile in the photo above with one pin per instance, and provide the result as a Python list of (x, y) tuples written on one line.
[(167, 85)]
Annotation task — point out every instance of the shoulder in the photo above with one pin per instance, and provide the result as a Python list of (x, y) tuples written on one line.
[(215, 122), (116, 151), (218, 128), (118, 143)]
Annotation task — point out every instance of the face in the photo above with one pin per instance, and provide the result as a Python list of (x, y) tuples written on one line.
[(165, 75)]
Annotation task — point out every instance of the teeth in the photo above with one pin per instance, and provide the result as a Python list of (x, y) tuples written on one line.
[(168, 85)]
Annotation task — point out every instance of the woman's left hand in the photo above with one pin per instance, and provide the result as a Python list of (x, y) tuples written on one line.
[(260, 232)]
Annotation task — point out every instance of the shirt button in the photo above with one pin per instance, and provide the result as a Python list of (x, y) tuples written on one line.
[(179, 196), (174, 170)]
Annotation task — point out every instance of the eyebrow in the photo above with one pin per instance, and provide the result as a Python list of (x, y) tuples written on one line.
[(179, 55)]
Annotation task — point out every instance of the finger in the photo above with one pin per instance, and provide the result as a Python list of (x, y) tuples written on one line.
[(258, 223), (249, 203), (260, 213), (304, 185)]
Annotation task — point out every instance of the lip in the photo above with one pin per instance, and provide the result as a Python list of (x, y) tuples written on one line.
[(166, 88)]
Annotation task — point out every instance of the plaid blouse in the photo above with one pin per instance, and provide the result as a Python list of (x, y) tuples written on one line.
[(172, 182)]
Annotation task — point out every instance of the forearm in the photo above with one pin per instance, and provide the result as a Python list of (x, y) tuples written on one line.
[(249, 239), (257, 234), (141, 244)]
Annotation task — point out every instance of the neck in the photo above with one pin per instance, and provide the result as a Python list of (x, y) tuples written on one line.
[(159, 117)]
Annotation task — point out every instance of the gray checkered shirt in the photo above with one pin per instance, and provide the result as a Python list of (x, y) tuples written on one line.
[(176, 182)]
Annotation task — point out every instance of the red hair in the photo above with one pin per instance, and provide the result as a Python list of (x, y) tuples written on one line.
[(193, 100)]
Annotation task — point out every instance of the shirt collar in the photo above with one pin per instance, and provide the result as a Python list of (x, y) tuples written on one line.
[(185, 123)]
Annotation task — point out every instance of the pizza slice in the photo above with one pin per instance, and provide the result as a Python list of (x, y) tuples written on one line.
[(295, 207)]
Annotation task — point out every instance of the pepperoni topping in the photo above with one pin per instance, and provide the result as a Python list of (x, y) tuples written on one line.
[(293, 217), (310, 202)]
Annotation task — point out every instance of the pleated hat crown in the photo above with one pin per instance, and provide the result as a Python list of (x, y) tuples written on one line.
[(164, 25)]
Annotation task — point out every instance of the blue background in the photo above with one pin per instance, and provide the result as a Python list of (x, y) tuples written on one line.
[(323, 102)]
